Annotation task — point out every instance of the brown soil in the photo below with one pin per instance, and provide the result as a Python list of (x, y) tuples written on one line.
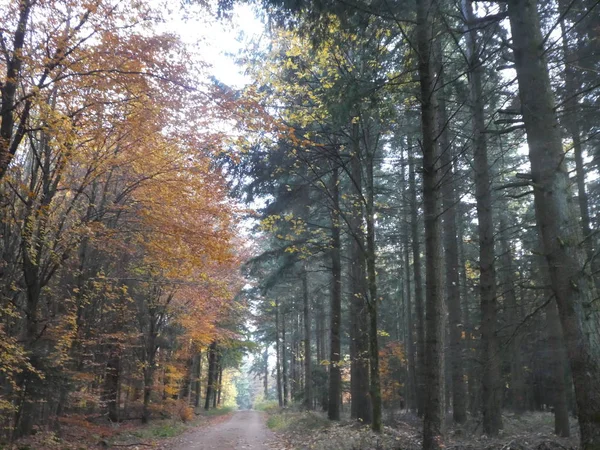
[(243, 430)]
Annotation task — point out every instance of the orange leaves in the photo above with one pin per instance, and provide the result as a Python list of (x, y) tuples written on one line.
[(392, 365), (117, 215)]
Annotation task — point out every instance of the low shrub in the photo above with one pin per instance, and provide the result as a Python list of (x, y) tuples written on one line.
[(217, 411), (268, 406)]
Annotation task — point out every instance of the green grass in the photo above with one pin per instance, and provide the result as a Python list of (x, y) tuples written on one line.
[(160, 429), (163, 429), (168, 430), (268, 406), (216, 412), (293, 421), (279, 422)]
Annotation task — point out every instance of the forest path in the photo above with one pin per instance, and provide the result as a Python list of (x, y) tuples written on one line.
[(243, 430)]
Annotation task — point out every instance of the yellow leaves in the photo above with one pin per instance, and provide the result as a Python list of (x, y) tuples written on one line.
[(294, 50), (290, 64), (471, 272)]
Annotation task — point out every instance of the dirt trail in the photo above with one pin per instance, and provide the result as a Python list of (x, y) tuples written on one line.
[(244, 430)]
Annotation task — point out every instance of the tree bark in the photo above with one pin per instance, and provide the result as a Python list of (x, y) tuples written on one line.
[(418, 280), (111, 384), (517, 381), (278, 355), (335, 379), (149, 364), (491, 381), (469, 345), (293, 365), (8, 143), (557, 221), (433, 423), (265, 373), (359, 345), (557, 372), (571, 117), (220, 384), (452, 282), (284, 362), (198, 381), (307, 338), (411, 389), (210, 386), (217, 386), (372, 301)]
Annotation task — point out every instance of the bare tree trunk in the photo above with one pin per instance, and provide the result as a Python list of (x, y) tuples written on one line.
[(210, 386), (111, 384), (307, 345), (186, 382), (293, 358), (571, 117), (491, 386), (284, 364), (372, 301), (335, 379), (265, 373), (323, 397), (517, 382), (190, 380), (557, 370), (452, 282), (557, 220), (278, 355), (469, 345), (149, 367), (9, 140), (411, 389), (198, 386), (433, 423), (148, 376), (359, 345), (220, 384), (420, 319)]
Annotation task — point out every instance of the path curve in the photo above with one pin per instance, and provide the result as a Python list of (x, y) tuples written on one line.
[(245, 430)]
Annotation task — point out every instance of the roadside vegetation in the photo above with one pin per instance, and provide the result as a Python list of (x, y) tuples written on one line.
[(300, 429)]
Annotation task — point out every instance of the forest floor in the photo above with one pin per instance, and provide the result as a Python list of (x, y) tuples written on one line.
[(291, 429), (160, 434), (402, 431)]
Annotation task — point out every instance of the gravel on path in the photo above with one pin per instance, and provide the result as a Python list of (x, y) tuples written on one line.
[(244, 430)]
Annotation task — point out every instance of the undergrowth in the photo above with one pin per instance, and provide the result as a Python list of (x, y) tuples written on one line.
[(160, 429), (292, 421), (267, 406), (216, 412), (311, 430)]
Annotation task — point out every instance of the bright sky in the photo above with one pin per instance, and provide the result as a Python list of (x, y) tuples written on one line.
[(218, 41)]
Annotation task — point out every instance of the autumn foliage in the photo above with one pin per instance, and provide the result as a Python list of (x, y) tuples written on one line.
[(119, 255), (392, 366)]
